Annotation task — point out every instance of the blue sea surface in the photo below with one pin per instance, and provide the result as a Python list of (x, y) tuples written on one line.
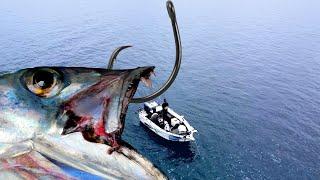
[(249, 81)]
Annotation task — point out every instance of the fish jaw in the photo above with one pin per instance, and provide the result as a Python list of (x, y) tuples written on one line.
[(73, 151), (32, 123), (23, 114), (99, 111)]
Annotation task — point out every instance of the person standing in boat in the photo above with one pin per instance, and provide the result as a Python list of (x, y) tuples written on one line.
[(165, 106)]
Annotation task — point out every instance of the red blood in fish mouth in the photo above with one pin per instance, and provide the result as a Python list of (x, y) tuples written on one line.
[(87, 115), (89, 110)]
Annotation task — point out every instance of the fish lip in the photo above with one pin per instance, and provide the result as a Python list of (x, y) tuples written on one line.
[(130, 85), (87, 156)]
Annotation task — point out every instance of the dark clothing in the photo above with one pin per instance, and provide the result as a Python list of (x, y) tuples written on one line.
[(165, 116), (176, 126), (164, 105), (154, 118), (154, 110), (161, 124), (146, 108)]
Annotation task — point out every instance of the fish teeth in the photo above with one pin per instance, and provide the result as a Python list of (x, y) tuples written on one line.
[(130, 86), (152, 73), (146, 81)]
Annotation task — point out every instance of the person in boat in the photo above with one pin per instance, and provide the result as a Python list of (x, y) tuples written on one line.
[(161, 123), (166, 126), (154, 116), (148, 111), (165, 106)]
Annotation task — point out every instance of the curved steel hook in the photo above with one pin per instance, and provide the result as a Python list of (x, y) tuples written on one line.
[(174, 73), (114, 55)]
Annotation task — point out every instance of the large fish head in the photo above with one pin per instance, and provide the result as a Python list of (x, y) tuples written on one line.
[(39, 105), (62, 100)]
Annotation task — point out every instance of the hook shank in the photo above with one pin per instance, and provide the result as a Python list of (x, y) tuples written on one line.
[(174, 73)]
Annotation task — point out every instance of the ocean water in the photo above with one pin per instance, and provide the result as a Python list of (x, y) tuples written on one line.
[(249, 81)]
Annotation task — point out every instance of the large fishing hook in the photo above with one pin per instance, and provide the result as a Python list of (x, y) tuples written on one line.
[(174, 73), (114, 55)]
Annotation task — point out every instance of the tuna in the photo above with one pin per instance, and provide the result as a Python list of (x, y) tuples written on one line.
[(71, 115)]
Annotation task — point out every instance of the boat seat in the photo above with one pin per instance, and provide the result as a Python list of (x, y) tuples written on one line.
[(174, 122)]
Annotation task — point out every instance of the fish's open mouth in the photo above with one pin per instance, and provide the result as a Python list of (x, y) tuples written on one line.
[(143, 76), (99, 111)]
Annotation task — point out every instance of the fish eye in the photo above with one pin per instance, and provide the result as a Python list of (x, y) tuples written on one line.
[(44, 82)]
